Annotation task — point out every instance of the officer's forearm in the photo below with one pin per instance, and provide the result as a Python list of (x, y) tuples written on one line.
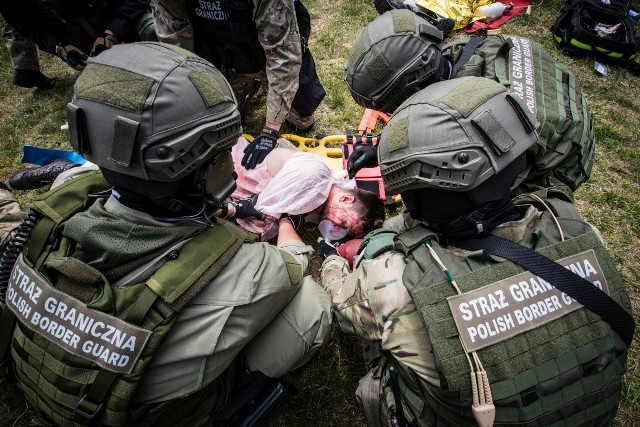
[(286, 232)]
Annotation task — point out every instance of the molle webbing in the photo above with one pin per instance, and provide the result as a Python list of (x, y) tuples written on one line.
[(57, 381), (551, 91), (202, 258), (572, 364), (59, 205)]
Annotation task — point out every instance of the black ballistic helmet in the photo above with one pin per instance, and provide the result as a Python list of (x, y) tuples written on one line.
[(396, 55)]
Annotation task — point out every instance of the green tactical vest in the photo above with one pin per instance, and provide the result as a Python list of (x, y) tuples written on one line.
[(551, 91), (63, 307), (563, 372)]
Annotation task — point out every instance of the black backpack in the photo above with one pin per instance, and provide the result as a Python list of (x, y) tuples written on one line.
[(602, 28)]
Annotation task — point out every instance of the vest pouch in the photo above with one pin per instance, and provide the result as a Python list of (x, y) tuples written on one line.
[(310, 91), (375, 396)]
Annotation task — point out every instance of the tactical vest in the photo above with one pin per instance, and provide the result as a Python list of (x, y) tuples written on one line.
[(542, 371), (551, 91), (224, 34), (79, 345)]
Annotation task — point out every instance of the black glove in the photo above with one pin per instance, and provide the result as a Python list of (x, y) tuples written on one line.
[(245, 208), (104, 42), (73, 56), (363, 156), (326, 249), (262, 145), (296, 220)]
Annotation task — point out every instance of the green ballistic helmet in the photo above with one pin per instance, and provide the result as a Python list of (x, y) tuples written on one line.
[(454, 135), (150, 112), (395, 55)]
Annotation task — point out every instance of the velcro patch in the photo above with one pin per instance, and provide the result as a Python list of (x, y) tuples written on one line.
[(518, 304), (403, 21), (294, 269), (398, 134), (208, 88), (379, 67), (114, 86), (471, 94), (93, 335)]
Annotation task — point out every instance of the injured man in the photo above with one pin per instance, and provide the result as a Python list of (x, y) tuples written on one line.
[(301, 185)]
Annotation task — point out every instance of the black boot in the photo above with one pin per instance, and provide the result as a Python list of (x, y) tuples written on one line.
[(28, 179), (255, 400), (32, 78)]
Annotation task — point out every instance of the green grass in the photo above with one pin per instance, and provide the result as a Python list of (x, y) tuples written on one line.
[(326, 386)]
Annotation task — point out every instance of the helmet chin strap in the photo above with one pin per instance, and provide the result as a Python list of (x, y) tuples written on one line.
[(443, 72), (477, 223), (203, 217), (205, 210), (171, 210)]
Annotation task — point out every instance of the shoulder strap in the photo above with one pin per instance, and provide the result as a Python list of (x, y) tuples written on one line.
[(467, 52), (501, 68), (375, 243), (573, 285)]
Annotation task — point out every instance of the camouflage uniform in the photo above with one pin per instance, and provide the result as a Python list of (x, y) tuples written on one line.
[(373, 302), (12, 215), (23, 52), (278, 34)]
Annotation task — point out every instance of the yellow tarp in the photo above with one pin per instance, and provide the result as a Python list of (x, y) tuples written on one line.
[(460, 11)]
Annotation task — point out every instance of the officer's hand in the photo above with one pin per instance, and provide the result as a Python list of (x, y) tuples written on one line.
[(296, 220), (73, 56), (262, 145), (326, 249), (363, 156), (245, 208), (104, 42)]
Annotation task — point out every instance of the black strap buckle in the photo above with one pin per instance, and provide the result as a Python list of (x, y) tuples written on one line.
[(87, 411)]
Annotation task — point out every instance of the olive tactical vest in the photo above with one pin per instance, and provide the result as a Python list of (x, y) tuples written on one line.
[(549, 362), (549, 89), (80, 346)]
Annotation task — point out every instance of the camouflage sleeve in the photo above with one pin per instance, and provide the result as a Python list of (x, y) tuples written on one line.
[(280, 38), (172, 23), (10, 216), (374, 303)]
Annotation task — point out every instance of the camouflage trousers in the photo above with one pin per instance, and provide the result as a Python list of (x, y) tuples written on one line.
[(22, 51), (245, 86), (172, 23), (11, 215)]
